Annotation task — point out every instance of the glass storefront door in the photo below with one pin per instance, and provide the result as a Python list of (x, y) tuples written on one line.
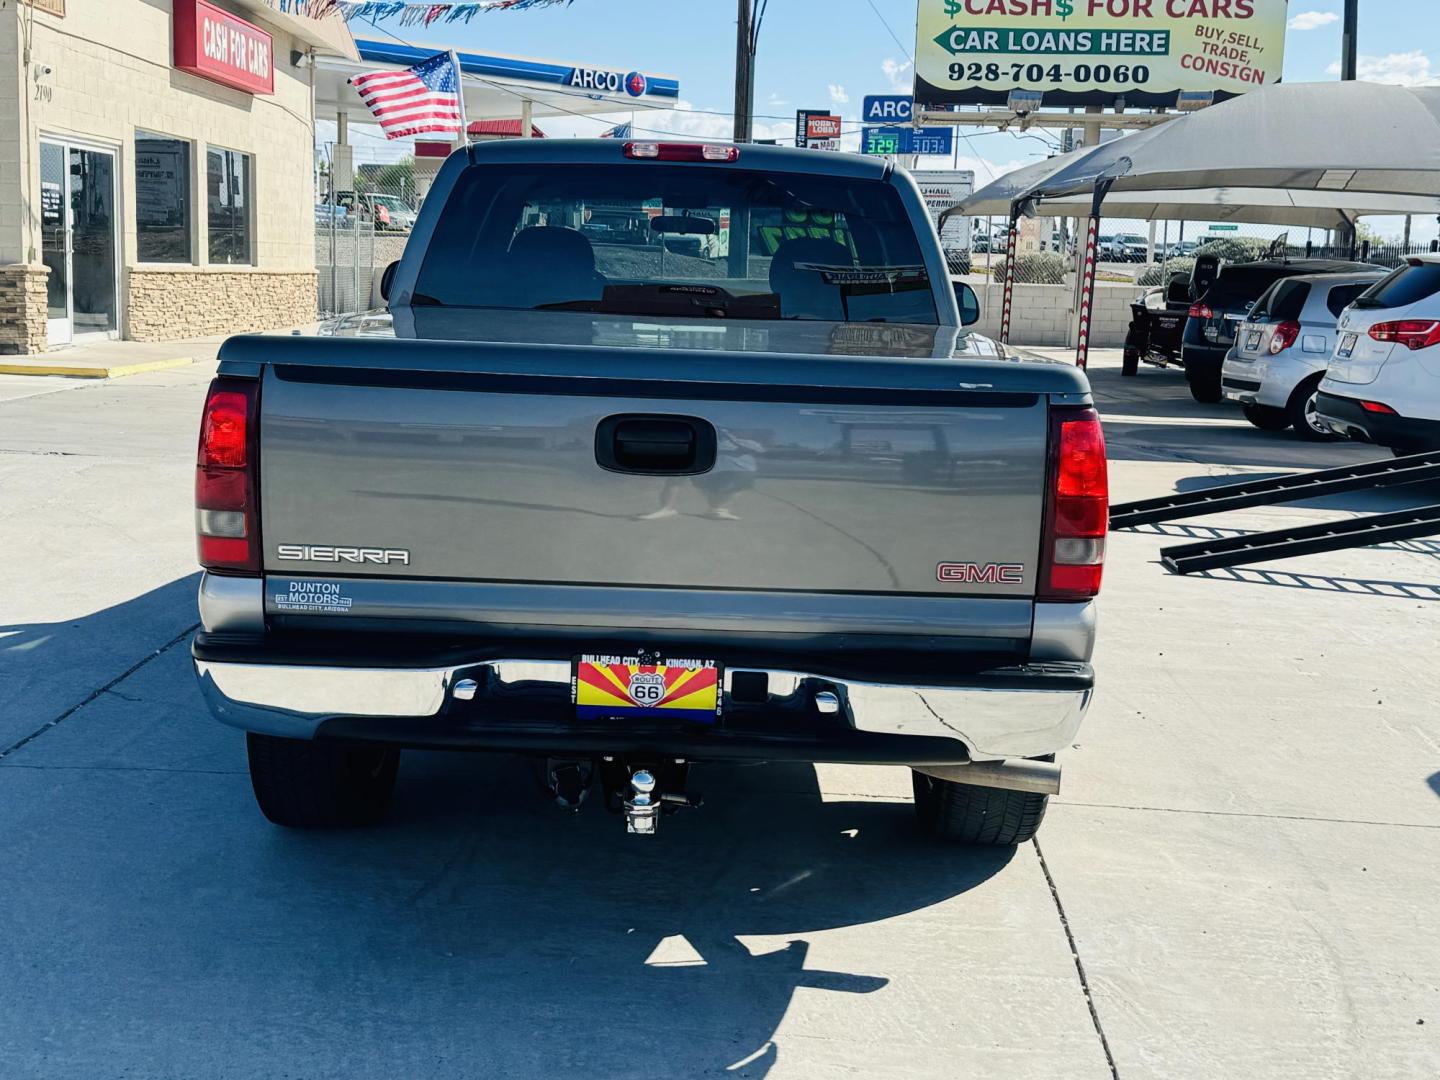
[(80, 237)]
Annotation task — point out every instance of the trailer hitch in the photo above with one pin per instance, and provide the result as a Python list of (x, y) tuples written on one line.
[(643, 808)]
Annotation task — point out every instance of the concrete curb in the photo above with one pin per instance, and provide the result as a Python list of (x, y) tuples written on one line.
[(92, 371)]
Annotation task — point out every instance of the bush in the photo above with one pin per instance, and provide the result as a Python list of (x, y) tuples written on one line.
[(1160, 275), (1036, 268), (1235, 249), (1238, 249)]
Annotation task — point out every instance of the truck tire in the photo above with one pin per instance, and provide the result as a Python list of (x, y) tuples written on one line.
[(309, 785), (1267, 417), (1301, 410), (969, 814), (1130, 362)]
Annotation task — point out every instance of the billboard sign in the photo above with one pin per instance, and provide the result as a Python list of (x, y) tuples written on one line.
[(802, 120), (218, 46), (1093, 52), (822, 131), (942, 189), (905, 140), (886, 109)]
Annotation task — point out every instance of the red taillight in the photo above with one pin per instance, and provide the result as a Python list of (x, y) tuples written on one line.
[(1413, 333), (1378, 407), (1201, 311), (1284, 336), (682, 151), (1078, 515), (227, 509)]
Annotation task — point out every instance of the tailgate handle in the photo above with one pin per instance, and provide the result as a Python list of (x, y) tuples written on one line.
[(655, 445)]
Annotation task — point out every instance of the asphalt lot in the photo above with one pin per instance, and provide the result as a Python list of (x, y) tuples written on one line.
[(1239, 879)]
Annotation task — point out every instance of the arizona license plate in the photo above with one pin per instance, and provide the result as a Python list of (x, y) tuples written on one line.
[(1347, 344), (628, 688)]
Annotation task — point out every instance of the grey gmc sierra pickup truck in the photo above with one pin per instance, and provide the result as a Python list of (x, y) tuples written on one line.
[(673, 453)]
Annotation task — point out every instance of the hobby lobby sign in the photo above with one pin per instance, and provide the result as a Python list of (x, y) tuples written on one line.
[(218, 46)]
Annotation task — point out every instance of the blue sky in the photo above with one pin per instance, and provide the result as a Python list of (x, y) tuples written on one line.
[(817, 54)]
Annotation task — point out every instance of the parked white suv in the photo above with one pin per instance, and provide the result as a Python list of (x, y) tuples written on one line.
[(1383, 383), (1282, 348)]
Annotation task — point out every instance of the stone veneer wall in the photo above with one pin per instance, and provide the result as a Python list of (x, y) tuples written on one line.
[(163, 305), (24, 307)]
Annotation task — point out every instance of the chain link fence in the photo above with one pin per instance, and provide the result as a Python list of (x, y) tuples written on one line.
[(359, 231), (1131, 253), (345, 261)]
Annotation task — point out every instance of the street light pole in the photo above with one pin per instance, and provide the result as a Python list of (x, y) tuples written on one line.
[(744, 70)]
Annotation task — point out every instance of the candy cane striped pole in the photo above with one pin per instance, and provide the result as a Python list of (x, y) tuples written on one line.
[(1087, 293), (1087, 281), (1009, 274)]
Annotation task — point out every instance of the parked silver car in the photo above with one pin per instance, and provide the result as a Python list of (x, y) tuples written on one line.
[(1282, 347)]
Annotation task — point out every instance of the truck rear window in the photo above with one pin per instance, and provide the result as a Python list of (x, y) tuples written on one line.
[(654, 239)]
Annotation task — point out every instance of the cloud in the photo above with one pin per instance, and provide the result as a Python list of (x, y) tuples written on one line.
[(838, 96), (898, 74), (1313, 20), (1398, 69)]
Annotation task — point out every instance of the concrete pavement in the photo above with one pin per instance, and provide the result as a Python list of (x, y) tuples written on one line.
[(1238, 879)]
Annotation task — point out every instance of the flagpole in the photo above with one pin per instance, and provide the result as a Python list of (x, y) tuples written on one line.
[(460, 93)]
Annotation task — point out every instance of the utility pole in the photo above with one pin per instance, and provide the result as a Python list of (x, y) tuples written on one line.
[(1349, 50), (744, 70)]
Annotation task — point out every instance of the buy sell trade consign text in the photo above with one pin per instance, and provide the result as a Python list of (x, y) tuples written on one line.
[(1093, 52)]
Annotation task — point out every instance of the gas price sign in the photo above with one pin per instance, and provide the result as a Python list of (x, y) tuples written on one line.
[(904, 140), (1092, 52)]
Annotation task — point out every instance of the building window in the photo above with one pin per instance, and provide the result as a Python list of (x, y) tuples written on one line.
[(228, 183), (162, 198)]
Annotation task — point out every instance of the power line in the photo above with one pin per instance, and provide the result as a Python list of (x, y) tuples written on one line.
[(894, 36)]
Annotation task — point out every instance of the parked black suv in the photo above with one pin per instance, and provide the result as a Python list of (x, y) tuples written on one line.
[(1218, 312)]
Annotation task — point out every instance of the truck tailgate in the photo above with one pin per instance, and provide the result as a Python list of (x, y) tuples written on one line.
[(484, 463)]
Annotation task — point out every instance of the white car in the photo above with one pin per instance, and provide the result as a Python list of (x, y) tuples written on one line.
[(1282, 348), (1383, 383)]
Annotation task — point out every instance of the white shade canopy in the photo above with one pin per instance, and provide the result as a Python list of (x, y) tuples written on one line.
[(1344, 141)]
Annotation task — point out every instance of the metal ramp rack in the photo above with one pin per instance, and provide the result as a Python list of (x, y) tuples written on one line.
[(1289, 543)]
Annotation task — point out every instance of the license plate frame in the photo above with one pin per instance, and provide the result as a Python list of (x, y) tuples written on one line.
[(1346, 347), (660, 689), (1252, 340)]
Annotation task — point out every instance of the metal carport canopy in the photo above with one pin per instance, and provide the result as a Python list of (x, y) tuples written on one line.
[(1344, 143), (1340, 138)]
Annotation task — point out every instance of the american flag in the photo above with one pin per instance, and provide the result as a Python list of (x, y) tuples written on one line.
[(421, 99), (619, 131)]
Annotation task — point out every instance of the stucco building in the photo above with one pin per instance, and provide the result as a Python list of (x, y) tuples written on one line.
[(156, 167)]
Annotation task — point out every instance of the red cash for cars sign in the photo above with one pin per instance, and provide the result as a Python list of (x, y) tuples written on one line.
[(218, 46)]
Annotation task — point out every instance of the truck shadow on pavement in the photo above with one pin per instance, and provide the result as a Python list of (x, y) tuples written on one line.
[(47, 668), (570, 947)]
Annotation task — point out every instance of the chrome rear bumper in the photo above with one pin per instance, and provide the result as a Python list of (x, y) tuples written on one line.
[(1017, 712)]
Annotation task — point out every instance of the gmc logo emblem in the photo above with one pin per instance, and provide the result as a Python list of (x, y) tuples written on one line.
[(981, 574)]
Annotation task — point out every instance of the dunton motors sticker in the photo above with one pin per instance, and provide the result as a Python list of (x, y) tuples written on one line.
[(324, 597)]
